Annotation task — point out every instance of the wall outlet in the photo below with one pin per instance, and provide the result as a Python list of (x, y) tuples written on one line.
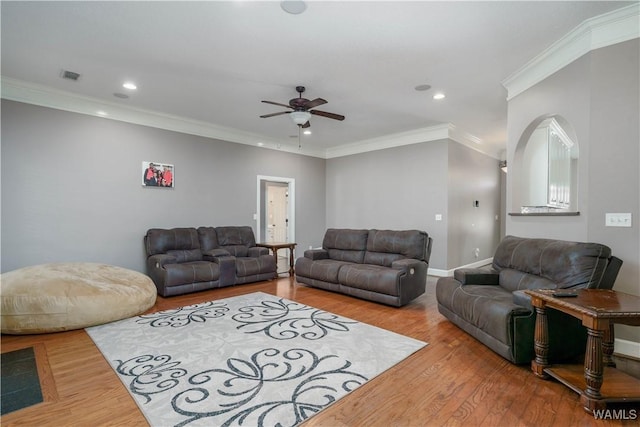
[(476, 252), (617, 220), (438, 217)]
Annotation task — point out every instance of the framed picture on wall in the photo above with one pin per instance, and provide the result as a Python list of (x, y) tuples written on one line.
[(155, 174)]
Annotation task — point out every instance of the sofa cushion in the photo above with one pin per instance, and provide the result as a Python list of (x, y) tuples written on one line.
[(255, 265), (159, 241), (374, 278), (386, 246), (235, 236), (325, 270), (186, 255), (514, 280), (236, 250), (488, 307), (191, 272), (208, 238), (345, 244), (569, 264)]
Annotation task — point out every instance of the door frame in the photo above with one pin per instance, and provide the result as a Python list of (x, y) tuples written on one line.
[(291, 210)]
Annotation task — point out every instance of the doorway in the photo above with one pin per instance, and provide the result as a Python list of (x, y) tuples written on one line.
[(276, 209)]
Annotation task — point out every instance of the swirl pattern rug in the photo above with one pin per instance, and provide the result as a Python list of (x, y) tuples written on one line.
[(251, 360)]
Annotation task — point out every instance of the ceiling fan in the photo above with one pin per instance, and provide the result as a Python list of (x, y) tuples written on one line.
[(302, 109)]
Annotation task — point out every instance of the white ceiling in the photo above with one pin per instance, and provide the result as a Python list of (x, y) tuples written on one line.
[(213, 62)]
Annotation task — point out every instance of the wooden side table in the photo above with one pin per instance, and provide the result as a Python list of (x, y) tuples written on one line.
[(274, 247), (599, 310)]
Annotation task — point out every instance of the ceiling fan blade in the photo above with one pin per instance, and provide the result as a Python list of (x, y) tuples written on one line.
[(325, 114), (277, 103), (306, 125), (316, 102), (275, 114)]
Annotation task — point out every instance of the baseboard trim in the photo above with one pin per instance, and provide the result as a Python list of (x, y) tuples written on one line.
[(626, 348), (447, 273)]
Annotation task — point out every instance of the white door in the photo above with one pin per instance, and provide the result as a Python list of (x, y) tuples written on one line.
[(275, 216), (277, 198)]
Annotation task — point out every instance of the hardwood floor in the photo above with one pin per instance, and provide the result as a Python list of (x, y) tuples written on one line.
[(454, 380)]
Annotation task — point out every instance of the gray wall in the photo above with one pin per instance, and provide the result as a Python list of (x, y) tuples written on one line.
[(71, 187), (405, 187), (599, 95), (472, 176)]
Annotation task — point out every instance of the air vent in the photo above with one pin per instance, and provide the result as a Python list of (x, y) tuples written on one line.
[(70, 75)]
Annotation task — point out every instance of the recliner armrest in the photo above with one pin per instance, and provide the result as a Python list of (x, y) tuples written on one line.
[(227, 265), (316, 254), (160, 260), (522, 299), (476, 276), (212, 254), (407, 264)]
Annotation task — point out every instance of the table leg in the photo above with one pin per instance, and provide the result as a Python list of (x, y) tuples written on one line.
[(541, 344), (607, 347), (291, 257), (593, 371), (275, 255)]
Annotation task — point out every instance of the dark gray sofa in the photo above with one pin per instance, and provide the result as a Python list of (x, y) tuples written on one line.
[(491, 305), (384, 266), (183, 260)]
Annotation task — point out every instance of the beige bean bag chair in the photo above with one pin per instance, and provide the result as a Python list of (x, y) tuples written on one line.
[(64, 296)]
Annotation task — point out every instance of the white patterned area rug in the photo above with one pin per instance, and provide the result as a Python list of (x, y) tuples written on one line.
[(251, 360)]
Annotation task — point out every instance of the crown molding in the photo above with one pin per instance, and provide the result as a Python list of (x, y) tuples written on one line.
[(44, 96), (605, 30), (30, 93), (417, 136)]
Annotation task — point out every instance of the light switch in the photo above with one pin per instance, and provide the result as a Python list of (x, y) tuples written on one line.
[(438, 217), (617, 220)]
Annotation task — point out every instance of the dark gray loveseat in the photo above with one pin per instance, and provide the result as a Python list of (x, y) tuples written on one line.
[(182, 260), (491, 305), (384, 266)]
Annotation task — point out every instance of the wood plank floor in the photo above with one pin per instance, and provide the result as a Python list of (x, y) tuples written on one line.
[(453, 381)]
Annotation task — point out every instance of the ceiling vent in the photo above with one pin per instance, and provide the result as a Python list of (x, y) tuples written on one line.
[(70, 75)]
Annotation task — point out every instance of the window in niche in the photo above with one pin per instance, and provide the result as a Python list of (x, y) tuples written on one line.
[(548, 171)]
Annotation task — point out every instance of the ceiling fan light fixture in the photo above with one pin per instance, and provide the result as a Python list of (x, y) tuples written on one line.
[(294, 7), (300, 117)]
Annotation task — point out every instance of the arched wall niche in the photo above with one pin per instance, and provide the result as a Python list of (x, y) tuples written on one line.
[(545, 169)]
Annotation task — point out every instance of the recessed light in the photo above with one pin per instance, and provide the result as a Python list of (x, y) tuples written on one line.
[(102, 113), (422, 88), (439, 95), (293, 7), (307, 132), (130, 86), (260, 144)]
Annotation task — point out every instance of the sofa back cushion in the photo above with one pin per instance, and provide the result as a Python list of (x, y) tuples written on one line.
[(565, 264), (186, 255), (208, 238), (160, 241), (235, 236), (386, 246), (345, 244)]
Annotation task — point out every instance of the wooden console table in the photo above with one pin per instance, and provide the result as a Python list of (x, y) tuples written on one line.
[(599, 310), (274, 247)]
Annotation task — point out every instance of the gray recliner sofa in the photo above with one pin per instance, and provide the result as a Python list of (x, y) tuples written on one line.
[(183, 260), (490, 304), (384, 266)]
